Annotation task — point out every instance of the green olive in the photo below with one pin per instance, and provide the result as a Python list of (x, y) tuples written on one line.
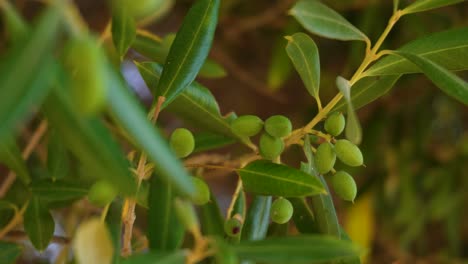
[(233, 226), (281, 210), (270, 147), (85, 61), (102, 193), (325, 158), (335, 124), (278, 126), (344, 186), (182, 142), (247, 125), (348, 153), (140, 8), (202, 195)]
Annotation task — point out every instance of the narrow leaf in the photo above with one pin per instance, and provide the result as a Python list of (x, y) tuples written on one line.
[(165, 232), (303, 216), (58, 190), (353, 127), (38, 224), (15, 25), (425, 5), (114, 224), (211, 219), (123, 29), (296, 249), (127, 111), (189, 50), (176, 257), (257, 219), (324, 21), (58, 162), (448, 48), (267, 178), (26, 70), (304, 55), (9, 252), (448, 82), (10, 155)]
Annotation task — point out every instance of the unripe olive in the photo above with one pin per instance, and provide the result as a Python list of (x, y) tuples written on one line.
[(140, 8), (344, 186), (85, 61), (202, 195), (233, 226), (278, 126), (182, 142), (247, 125), (335, 124), (348, 153), (270, 147), (102, 193), (281, 210), (325, 158)]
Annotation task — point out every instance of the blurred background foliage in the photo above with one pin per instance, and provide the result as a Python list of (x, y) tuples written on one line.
[(413, 196)]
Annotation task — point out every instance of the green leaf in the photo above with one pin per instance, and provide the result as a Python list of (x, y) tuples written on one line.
[(58, 162), (448, 82), (128, 113), (324, 21), (195, 104), (9, 252), (165, 231), (176, 257), (212, 70), (208, 141), (448, 48), (212, 222), (189, 50), (25, 71), (267, 178), (354, 260), (296, 249), (10, 155), (89, 141), (238, 203), (257, 219), (15, 25), (303, 216), (114, 225), (367, 90), (58, 190), (353, 129), (425, 5), (123, 29), (38, 224), (304, 55)]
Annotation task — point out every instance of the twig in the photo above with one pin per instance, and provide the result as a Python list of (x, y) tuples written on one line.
[(15, 236), (36, 137), (17, 219)]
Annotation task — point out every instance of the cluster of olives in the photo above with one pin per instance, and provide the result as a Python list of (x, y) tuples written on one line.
[(271, 143), (347, 152)]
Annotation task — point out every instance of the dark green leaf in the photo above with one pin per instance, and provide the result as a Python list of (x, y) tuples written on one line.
[(10, 155), (165, 231), (296, 249), (123, 29), (58, 162), (304, 55), (424, 5), (128, 113), (176, 257), (212, 221), (367, 90), (448, 82), (208, 141), (15, 25), (448, 48), (189, 50), (38, 224), (257, 219), (114, 225), (25, 71), (59, 190), (265, 177), (324, 21), (9, 252), (89, 141), (303, 216)]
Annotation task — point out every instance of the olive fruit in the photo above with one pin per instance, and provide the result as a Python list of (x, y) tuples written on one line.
[(233, 226), (325, 158), (348, 153), (278, 126), (247, 125), (85, 61), (335, 124), (202, 195), (102, 193), (270, 147), (281, 210), (344, 186), (182, 142)]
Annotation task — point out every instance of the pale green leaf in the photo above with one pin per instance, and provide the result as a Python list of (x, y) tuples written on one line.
[(424, 5), (353, 129)]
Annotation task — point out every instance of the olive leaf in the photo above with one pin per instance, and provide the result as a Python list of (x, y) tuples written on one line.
[(16, 26), (324, 21), (9, 252), (10, 155), (58, 159), (353, 128), (58, 190), (257, 218), (304, 55), (38, 224), (123, 29), (175, 257), (211, 219), (425, 5)]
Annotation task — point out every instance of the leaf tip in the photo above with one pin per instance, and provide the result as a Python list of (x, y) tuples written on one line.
[(288, 38)]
